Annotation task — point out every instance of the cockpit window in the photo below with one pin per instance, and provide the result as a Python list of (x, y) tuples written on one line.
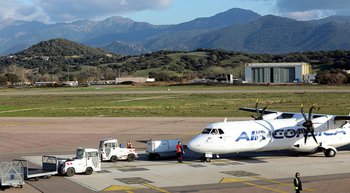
[(221, 131), (206, 131), (214, 132)]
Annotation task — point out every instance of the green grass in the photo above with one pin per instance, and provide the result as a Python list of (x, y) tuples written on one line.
[(121, 88), (163, 105)]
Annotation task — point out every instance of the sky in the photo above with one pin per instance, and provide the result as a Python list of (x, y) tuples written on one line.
[(162, 11)]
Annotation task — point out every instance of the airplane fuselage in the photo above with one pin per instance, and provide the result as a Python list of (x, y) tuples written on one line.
[(265, 135)]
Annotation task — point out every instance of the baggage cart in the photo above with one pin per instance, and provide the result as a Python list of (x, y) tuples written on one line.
[(11, 174), (49, 168)]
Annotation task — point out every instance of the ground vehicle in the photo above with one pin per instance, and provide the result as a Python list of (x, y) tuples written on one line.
[(110, 151), (49, 168), (86, 161), (11, 174), (161, 148)]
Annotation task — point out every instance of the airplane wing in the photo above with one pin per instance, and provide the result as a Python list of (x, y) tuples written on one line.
[(286, 115), (342, 117), (283, 115), (254, 111)]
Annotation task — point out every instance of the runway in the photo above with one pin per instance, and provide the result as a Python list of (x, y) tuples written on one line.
[(247, 172)]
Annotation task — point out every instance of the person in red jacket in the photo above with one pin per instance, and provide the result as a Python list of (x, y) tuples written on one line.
[(129, 145), (179, 151)]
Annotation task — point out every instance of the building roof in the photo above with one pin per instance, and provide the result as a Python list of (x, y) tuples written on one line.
[(284, 64)]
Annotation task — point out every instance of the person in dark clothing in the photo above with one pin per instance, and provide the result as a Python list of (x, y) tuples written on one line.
[(297, 183), (179, 151)]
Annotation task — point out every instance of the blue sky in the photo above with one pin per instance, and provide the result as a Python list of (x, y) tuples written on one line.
[(162, 11), (185, 10)]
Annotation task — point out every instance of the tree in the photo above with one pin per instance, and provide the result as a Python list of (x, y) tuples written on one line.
[(3, 80), (12, 78), (19, 71), (331, 77)]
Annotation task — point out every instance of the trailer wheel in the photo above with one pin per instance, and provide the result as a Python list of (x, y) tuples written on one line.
[(88, 171), (70, 172), (114, 158), (131, 157)]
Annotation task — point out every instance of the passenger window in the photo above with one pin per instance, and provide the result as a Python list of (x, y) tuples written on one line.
[(221, 131), (214, 131)]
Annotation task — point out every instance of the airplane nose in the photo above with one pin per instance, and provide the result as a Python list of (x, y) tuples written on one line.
[(193, 144)]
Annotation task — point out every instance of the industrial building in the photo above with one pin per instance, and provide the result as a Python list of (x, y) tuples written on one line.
[(277, 72)]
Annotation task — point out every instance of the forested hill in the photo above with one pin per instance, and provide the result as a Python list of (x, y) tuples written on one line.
[(55, 54), (62, 48), (57, 57)]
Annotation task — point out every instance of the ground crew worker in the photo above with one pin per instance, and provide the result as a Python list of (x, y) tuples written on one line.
[(179, 152), (297, 183), (129, 145)]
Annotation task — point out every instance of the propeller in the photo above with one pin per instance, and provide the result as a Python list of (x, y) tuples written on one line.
[(259, 115), (308, 122)]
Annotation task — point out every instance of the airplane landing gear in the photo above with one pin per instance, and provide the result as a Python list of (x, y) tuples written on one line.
[(204, 158)]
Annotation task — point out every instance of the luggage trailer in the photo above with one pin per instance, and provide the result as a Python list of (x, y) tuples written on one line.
[(49, 168)]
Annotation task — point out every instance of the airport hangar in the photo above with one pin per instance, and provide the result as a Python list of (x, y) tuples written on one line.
[(277, 72)]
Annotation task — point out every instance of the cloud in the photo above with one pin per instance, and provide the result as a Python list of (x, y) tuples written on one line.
[(312, 9), (18, 10), (68, 10)]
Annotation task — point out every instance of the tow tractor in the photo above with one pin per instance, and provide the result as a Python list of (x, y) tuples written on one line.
[(110, 151), (86, 161)]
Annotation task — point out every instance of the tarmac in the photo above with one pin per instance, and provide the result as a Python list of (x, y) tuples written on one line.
[(30, 138)]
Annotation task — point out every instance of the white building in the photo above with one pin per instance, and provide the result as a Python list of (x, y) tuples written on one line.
[(134, 79), (276, 72)]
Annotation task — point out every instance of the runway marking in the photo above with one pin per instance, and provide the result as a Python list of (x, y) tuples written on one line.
[(248, 182), (120, 188), (281, 183), (265, 187), (155, 188), (232, 180)]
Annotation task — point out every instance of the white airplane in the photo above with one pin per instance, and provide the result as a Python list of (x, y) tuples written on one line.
[(273, 130)]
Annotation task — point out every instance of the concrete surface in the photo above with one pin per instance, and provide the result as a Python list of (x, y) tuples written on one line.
[(30, 138)]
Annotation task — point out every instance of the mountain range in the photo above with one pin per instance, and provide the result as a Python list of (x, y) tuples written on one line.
[(233, 30)]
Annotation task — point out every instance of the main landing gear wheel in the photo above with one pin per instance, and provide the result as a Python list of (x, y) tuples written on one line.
[(330, 152)]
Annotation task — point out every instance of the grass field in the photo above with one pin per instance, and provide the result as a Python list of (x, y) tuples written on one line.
[(37, 103)]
